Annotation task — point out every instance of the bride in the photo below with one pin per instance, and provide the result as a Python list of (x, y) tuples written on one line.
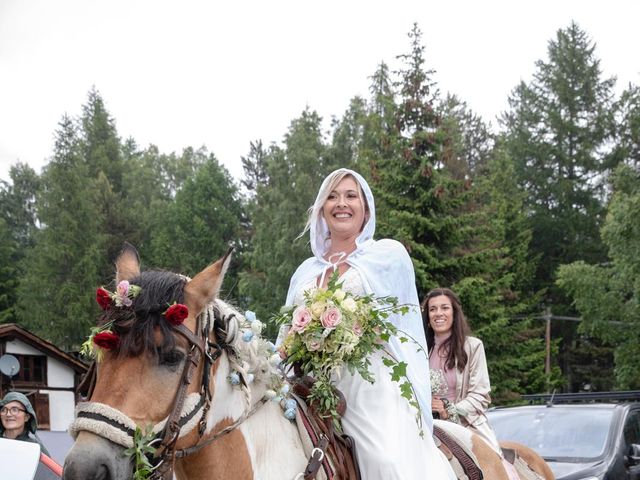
[(381, 422)]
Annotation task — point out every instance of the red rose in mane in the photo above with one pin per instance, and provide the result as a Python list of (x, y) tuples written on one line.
[(103, 298), (106, 340), (176, 313)]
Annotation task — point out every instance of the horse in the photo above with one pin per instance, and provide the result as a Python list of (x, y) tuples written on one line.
[(530, 457), (190, 398), (487, 459)]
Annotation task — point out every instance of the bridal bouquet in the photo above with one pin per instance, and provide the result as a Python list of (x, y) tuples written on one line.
[(333, 329)]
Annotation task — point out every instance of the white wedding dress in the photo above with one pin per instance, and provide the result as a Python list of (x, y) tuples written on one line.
[(381, 421)]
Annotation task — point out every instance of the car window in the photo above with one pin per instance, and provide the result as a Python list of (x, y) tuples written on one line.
[(556, 432), (632, 428)]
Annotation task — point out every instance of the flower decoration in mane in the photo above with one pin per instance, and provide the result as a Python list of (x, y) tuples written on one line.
[(333, 329), (103, 337), (176, 313), (117, 306), (255, 359), (122, 297)]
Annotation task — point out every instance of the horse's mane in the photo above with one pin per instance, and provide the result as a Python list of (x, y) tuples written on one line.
[(159, 289), (136, 324), (244, 357)]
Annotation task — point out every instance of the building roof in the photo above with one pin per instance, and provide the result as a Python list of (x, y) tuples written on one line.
[(10, 331)]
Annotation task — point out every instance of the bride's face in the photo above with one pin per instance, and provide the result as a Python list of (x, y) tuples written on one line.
[(344, 209)]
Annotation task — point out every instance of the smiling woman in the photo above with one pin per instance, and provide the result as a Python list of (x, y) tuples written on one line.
[(380, 420), (18, 419), (461, 359)]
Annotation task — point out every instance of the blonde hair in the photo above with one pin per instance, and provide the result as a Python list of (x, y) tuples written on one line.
[(328, 186)]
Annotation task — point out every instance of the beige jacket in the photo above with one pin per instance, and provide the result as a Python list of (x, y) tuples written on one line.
[(472, 392)]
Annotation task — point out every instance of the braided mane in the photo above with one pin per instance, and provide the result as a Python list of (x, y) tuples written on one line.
[(247, 358)]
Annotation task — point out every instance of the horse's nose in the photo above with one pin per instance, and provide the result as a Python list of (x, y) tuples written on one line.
[(76, 470), (95, 458)]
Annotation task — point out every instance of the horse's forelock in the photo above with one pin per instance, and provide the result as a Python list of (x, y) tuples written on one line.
[(136, 325)]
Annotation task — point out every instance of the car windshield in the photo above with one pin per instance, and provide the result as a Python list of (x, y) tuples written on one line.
[(578, 434)]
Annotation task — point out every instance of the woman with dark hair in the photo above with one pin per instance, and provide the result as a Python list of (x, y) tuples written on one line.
[(464, 396)]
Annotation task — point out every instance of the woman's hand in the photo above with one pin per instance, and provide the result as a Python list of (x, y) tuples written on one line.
[(438, 406)]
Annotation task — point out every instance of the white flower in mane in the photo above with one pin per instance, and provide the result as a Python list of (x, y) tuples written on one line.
[(252, 359)]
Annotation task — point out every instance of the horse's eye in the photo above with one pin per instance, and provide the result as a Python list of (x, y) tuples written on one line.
[(171, 359)]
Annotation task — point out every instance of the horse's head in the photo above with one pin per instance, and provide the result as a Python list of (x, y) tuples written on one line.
[(158, 376)]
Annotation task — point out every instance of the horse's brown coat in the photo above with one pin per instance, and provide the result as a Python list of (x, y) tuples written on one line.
[(137, 387), (535, 461), (216, 461)]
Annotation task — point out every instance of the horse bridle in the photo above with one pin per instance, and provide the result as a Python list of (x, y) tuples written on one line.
[(200, 347)]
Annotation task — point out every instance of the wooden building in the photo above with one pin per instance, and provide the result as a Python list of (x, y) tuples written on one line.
[(47, 375)]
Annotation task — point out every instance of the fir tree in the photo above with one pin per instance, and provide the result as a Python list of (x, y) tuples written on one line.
[(9, 274), (608, 295), (557, 132), (62, 269), (289, 179), (202, 223)]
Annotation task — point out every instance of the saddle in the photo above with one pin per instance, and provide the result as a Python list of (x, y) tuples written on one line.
[(461, 461), (332, 454)]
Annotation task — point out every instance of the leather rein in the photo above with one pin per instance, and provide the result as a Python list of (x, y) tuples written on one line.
[(200, 347)]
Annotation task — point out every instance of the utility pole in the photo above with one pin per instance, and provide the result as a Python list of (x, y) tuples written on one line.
[(547, 316), (547, 339)]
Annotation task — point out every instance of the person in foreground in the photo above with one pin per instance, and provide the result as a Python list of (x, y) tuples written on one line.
[(19, 420), (462, 361), (381, 422)]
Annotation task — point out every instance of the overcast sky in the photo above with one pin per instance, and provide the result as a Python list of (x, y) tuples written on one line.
[(221, 74)]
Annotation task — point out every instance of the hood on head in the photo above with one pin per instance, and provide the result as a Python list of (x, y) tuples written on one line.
[(32, 424), (319, 231)]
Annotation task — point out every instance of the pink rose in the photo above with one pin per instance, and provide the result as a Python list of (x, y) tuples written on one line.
[(301, 318), (123, 288), (122, 294), (357, 329), (331, 318)]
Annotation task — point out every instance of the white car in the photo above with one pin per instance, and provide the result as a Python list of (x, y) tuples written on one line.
[(24, 461)]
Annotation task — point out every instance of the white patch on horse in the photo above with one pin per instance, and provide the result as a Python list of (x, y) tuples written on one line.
[(273, 441)]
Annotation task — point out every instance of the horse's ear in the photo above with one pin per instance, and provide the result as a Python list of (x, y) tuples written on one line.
[(205, 286), (127, 263)]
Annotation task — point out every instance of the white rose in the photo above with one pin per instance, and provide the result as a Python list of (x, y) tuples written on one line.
[(339, 295), (350, 305), (317, 308)]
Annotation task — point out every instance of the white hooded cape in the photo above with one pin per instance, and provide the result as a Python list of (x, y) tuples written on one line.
[(386, 269)]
